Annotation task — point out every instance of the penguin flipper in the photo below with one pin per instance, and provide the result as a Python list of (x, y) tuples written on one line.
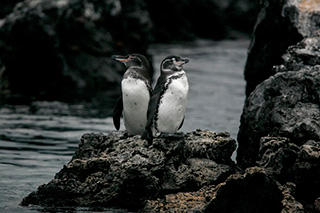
[(152, 109), (181, 123), (117, 111)]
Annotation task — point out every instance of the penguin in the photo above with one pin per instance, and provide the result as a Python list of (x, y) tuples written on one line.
[(168, 100), (135, 94)]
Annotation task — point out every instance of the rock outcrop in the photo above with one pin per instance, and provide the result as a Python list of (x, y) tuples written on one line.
[(287, 104), (280, 123), (115, 171), (280, 24), (279, 141), (50, 48), (300, 165), (193, 173), (253, 190)]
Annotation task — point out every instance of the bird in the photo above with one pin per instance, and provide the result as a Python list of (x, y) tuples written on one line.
[(167, 105), (136, 91)]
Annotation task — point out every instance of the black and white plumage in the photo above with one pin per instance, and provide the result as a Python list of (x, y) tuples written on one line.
[(168, 101), (135, 94)]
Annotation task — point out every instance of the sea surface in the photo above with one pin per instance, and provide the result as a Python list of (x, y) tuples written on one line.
[(36, 140)]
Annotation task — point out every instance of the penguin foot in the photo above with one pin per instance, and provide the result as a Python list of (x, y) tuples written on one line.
[(126, 134), (147, 136)]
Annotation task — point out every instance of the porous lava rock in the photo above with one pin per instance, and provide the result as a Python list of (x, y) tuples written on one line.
[(252, 190), (287, 105), (279, 25), (124, 172)]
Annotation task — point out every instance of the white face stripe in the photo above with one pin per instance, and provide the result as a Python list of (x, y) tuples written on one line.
[(170, 60), (162, 65)]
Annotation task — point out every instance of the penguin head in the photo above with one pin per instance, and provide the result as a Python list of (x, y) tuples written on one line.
[(173, 63), (132, 60)]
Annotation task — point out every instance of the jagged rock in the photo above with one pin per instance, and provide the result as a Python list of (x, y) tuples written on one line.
[(289, 203), (278, 156), (304, 55), (50, 48), (253, 191), (287, 105), (115, 171), (287, 162), (182, 202), (279, 25), (307, 173)]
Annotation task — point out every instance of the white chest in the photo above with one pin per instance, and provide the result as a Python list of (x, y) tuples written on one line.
[(172, 105), (135, 97)]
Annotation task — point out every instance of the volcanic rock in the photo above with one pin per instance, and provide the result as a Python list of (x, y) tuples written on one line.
[(306, 173), (286, 105), (124, 172), (253, 191), (303, 55), (299, 165), (279, 25), (278, 156), (182, 201)]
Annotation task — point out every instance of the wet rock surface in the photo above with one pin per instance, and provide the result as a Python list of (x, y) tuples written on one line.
[(115, 171)]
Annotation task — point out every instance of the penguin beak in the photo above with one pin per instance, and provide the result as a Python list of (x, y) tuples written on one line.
[(182, 62), (120, 58)]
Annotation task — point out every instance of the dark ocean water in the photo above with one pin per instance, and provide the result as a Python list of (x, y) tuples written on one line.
[(36, 140)]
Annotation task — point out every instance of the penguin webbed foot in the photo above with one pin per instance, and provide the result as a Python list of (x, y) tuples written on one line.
[(147, 136), (125, 135)]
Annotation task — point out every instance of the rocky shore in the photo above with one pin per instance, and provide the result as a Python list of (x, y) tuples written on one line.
[(194, 173), (125, 172), (278, 157)]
